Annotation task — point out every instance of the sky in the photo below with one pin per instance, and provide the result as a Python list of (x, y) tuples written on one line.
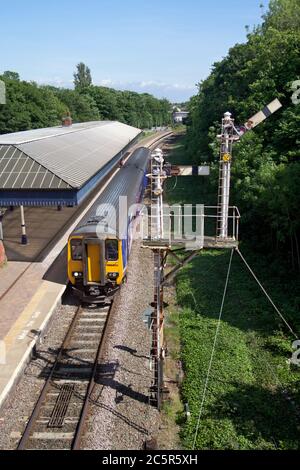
[(160, 47)]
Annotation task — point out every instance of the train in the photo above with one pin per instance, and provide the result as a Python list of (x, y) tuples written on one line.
[(99, 247)]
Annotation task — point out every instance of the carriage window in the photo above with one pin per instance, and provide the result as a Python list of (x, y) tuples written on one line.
[(111, 249), (76, 250)]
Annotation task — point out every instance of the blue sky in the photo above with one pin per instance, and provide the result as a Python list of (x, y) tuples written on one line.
[(160, 47)]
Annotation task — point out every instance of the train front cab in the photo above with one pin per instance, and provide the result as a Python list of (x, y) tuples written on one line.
[(96, 267)]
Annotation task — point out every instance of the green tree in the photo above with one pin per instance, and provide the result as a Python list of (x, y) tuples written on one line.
[(28, 106), (82, 107), (11, 75), (82, 77)]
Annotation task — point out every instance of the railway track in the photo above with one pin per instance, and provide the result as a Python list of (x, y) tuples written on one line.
[(60, 414), (159, 140)]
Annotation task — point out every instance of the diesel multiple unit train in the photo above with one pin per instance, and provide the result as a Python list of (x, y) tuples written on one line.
[(99, 247)]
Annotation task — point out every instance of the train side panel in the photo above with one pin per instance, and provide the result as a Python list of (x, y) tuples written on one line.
[(97, 262)]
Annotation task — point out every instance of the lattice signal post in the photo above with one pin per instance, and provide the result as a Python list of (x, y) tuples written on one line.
[(162, 243), (230, 134)]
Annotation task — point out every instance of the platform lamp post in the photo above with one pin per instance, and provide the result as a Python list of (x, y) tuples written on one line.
[(2, 249), (1, 226), (24, 240)]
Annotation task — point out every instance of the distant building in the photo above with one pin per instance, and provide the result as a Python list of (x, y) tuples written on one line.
[(179, 116)]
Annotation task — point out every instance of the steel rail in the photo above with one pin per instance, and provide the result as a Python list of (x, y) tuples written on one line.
[(85, 409), (49, 383), (32, 421)]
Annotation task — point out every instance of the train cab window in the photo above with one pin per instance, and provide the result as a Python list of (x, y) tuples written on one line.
[(111, 250), (76, 250)]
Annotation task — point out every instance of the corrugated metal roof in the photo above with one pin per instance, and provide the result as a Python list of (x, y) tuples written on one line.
[(60, 157), (15, 138), (19, 171)]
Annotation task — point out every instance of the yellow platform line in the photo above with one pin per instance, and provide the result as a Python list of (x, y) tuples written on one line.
[(30, 313)]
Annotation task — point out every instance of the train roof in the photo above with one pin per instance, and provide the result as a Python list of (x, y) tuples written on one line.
[(101, 217)]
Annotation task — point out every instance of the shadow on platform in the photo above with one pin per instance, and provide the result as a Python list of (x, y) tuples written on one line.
[(44, 226)]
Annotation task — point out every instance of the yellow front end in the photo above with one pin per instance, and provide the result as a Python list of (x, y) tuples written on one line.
[(116, 266), (85, 262)]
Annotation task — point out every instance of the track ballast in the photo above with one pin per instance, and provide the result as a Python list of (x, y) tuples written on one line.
[(58, 418)]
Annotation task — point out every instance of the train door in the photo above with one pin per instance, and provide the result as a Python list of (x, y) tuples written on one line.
[(94, 262)]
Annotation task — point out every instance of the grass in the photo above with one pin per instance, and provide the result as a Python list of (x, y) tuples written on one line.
[(252, 399)]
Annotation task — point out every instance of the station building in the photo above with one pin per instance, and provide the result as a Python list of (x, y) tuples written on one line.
[(59, 165)]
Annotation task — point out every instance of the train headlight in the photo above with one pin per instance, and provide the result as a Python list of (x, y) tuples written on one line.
[(77, 274), (112, 276)]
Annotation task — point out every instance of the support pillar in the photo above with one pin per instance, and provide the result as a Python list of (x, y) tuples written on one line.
[(227, 138), (24, 240), (225, 198), (1, 227), (2, 249)]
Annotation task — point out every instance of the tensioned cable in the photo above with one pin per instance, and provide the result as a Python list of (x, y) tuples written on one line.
[(267, 295), (213, 350), (174, 184)]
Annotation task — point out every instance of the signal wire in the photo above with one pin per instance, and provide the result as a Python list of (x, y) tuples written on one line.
[(213, 351), (267, 295)]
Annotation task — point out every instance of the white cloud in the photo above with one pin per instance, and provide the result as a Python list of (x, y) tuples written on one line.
[(172, 91), (106, 82), (55, 81)]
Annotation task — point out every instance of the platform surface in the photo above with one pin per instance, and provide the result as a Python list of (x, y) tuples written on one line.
[(42, 225)]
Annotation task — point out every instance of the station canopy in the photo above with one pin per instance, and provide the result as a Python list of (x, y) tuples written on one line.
[(48, 166)]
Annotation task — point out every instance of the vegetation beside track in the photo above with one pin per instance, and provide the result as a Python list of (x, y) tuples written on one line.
[(253, 390)]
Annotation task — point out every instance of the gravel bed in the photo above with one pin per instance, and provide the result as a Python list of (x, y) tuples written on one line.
[(18, 407), (120, 415)]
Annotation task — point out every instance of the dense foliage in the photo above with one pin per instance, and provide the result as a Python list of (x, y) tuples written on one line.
[(30, 106), (266, 170)]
